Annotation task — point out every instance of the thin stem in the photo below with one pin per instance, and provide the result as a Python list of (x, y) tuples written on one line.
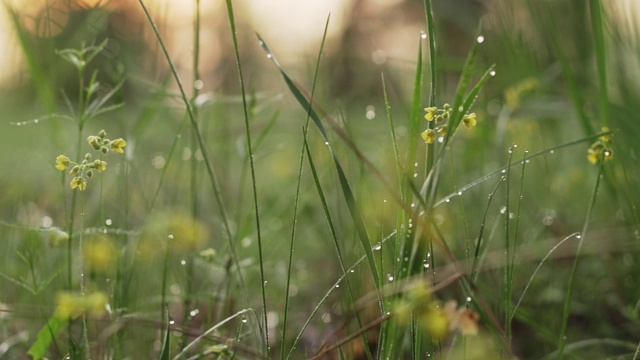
[(205, 155), (567, 304), (234, 36)]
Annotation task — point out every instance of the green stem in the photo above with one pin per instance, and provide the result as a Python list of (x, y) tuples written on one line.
[(567, 304), (234, 35)]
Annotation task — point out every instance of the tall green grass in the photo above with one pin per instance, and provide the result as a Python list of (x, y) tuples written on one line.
[(358, 240)]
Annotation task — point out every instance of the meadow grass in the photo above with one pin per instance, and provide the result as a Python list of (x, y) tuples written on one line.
[(481, 215)]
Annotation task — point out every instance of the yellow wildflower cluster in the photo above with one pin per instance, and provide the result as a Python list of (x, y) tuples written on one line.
[(442, 115), (72, 305), (601, 149), (437, 319), (84, 171)]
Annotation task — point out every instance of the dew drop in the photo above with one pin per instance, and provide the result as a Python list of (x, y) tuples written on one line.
[(243, 319), (551, 151), (326, 318), (183, 262), (390, 277), (108, 222), (198, 84), (269, 56), (447, 200), (337, 286), (370, 112), (503, 210), (468, 298), (379, 57), (480, 39), (170, 237), (459, 193), (171, 322), (492, 73), (377, 247), (423, 35), (194, 312)]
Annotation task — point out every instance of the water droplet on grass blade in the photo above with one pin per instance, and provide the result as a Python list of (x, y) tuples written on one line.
[(423, 35), (480, 39)]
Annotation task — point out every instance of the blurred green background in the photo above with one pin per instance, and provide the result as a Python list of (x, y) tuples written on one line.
[(545, 93)]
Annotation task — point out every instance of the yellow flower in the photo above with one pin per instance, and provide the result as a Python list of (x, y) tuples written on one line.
[(434, 319), (79, 182), (94, 141), (461, 319), (207, 254), (608, 137), (431, 113), (469, 120), (593, 155), (429, 136), (442, 130), (100, 165), (57, 237), (99, 254), (118, 145), (71, 305), (68, 305), (62, 162), (182, 232)]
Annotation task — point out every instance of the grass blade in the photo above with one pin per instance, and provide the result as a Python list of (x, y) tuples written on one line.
[(46, 336), (249, 144), (205, 154), (576, 261), (344, 183), (297, 196)]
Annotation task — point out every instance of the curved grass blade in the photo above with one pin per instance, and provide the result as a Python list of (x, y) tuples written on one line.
[(344, 183), (515, 308), (209, 331), (551, 150), (576, 261)]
